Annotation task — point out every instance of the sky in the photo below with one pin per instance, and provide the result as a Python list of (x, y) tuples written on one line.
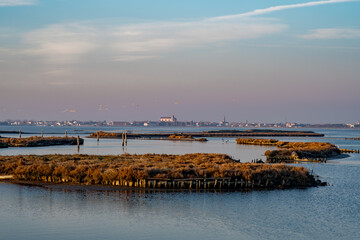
[(114, 60)]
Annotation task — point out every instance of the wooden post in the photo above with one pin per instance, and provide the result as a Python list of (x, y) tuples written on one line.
[(19, 133), (65, 133), (122, 137), (98, 136), (78, 143), (125, 138), (42, 133)]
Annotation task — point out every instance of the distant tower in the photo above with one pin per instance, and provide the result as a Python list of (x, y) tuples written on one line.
[(223, 122)]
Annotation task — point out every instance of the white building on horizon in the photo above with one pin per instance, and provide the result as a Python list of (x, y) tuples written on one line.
[(168, 119)]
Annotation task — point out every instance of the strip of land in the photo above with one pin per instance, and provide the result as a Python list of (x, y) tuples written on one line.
[(39, 141), (294, 151), (358, 138), (190, 171), (205, 134)]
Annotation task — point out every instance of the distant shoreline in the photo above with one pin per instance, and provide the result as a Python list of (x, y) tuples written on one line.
[(208, 134)]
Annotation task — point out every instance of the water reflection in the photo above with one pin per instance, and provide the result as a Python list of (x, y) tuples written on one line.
[(41, 213), (245, 153)]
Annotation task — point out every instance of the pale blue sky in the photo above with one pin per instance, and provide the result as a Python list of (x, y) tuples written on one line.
[(261, 61)]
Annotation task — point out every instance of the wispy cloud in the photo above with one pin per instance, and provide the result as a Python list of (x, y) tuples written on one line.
[(58, 72), (332, 33), (164, 36), (278, 8), (131, 58), (69, 43), (9, 3), (61, 43)]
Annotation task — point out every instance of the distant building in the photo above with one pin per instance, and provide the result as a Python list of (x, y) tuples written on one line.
[(223, 122), (151, 124), (171, 119), (121, 124), (290, 125)]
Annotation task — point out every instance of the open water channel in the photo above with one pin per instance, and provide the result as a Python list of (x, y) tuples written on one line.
[(331, 212)]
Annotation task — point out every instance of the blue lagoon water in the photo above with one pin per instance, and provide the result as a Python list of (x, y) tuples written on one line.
[(331, 212)]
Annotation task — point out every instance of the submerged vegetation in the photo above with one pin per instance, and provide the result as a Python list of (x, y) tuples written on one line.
[(210, 170), (39, 141), (294, 150)]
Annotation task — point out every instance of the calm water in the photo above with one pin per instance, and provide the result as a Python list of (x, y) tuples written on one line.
[(331, 212), (113, 146)]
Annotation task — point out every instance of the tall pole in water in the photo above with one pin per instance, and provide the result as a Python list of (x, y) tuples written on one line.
[(42, 133), (122, 138), (78, 143), (98, 136), (125, 138), (65, 133), (20, 133)]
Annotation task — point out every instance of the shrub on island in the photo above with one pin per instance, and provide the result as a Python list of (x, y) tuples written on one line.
[(294, 150)]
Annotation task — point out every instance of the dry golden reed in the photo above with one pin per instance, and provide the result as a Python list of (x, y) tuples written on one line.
[(93, 169)]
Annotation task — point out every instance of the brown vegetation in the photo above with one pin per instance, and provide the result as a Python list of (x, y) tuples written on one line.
[(40, 141), (257, 141), (102, 134), (294, 150), (186, 138), (175, 136), (202, 139), (90, 169)]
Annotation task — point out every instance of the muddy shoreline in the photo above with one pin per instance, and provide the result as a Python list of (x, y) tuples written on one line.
[(107, 188)]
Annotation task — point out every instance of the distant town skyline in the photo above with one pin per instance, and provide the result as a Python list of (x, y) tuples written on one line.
[(261, 61), (173, 122)]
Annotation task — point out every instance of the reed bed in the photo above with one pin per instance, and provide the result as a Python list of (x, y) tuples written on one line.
[(177, 136), (40, 141), (91, 169), (105, 135), (294, 150), (257, 141)]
